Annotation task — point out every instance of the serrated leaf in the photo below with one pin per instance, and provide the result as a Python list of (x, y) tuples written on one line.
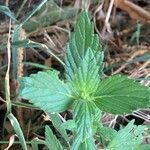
[(46, 91), (84, 115), (88, 144), (128, 138), (97, 118), (84, 112), (36, 142), (51, 140), (106, 133), (86, 79), (119, 95), (82, 39)]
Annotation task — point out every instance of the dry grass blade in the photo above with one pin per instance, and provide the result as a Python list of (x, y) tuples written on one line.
[(107, 24), (9, 115), (142, 115), (7, 84), (135, 11), (11, 141)]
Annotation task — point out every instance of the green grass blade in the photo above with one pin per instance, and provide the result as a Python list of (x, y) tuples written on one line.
[(57, 122), (34, 145), (37, 65), (26, 43), (143, 147), (15, 37), (33, 12), (6, 11), (35, 142), (29, 43), (17, 128)]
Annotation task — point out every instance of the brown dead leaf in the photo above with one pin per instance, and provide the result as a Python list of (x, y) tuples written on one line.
[(135, 11)]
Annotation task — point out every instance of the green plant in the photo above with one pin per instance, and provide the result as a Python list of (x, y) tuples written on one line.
[(9, 102), (86, 94)]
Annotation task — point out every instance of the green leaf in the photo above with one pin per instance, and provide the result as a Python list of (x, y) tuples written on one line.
[(84, 112), (46, 91), (18, 131), (128, 138), (34, 145), (7, 12), (97, 118), (143, 147), (57, 123), (119, 95), (36, 65), (81, 40), (86, 79), (36, 142), (69, 125), (88, 144), (84, 115), (106, 134), (33, 12), (51, 140)]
